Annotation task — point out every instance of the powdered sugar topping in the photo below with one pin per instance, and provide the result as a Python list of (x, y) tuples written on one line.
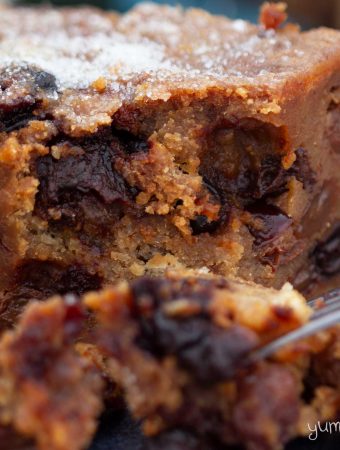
[(78, 61), (157, 43)]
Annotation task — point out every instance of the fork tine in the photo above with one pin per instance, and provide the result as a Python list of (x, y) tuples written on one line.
[(320, 323), (326, 298), (332, 303)]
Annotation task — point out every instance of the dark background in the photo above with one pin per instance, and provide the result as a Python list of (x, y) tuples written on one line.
[(307, 12), (119, 432)]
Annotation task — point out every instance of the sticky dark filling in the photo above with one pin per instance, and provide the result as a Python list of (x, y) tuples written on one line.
[(209, 352), (39, 280), (326, 256), (84, 189), (243, 169), (243, 164)]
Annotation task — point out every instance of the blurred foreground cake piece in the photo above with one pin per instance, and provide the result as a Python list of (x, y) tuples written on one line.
[(178, 345), (177, 349)]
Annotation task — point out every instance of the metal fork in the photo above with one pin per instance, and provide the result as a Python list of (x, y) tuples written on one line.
[(325, 316)]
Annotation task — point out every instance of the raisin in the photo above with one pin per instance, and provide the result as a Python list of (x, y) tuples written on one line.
[(271, 178), (273, 223), (243, 165), (84, 188), (268, 179), (155, 291), (210, 353), (50, 277), (216, 354), (131, 143), (41, 279), (201, 224), (301, 169), (45, 80), (24, 88), (258, 180), (254, 183), (326, 255), (16, 116)]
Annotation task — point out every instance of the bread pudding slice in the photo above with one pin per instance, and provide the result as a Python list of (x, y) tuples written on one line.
[(164, 138)]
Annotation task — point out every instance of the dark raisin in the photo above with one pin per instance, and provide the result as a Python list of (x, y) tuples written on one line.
[(302, 170), (17, 115), (41, 279), (85, 188), (217, 354), (131, 143), (51, 277), (25, 88), (266, 179), (273, 222), (210, 353), (271, 179), (155, 291), (201, 224), (45, 81), (326, 255), (251, 168)]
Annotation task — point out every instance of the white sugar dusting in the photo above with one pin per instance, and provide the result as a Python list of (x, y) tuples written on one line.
[(155, 43), (239, 25), (77, 48), (78, 61)]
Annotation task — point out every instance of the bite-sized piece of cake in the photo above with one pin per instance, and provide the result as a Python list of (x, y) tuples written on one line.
[(178, 346), (47, 391), (161, 138)]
